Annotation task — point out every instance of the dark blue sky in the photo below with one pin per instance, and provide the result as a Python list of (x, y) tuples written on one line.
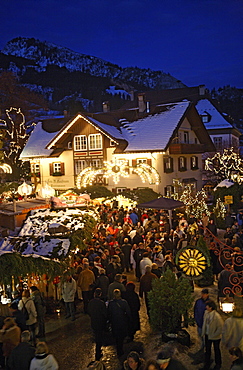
[(196, 41)]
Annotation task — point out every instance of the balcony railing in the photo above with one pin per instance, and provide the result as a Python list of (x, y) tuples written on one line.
[(186, 148)]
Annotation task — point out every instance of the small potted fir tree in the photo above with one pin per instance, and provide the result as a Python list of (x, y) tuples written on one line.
[(170, 300)]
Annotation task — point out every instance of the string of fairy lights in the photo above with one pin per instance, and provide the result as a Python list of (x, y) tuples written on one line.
[(226, 165), (117, 169)]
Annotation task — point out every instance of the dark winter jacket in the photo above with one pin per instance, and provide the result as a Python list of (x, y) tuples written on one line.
[(119, 314), (21, 356), (134, 303), (146, 283), (102, 282), (98, 314)]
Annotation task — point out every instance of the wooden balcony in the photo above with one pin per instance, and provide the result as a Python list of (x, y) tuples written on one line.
[(186, 148)]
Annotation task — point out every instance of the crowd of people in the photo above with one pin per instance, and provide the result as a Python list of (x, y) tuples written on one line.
[(144, 243)]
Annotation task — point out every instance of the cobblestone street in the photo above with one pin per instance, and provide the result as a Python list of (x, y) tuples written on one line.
[(72, 342)]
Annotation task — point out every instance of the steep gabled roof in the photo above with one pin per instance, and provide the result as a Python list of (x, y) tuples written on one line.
[(110, 131), (155, 131), (216, 119), (35, 146)]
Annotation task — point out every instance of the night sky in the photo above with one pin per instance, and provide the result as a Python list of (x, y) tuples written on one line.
[(196, 41)]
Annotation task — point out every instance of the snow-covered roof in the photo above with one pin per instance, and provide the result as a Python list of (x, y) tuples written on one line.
[(36, 239), (216, 119), (154, 132), (110, 130), (35, 146)]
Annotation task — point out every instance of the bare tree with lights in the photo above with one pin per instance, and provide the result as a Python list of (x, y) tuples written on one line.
[(228, 165)]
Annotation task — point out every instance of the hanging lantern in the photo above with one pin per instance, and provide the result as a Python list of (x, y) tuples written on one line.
[(46, 191), (25, 189)]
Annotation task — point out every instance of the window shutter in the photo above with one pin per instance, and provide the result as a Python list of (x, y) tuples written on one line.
[(62, 169), (51, 169), (149, 162), (134, 162)]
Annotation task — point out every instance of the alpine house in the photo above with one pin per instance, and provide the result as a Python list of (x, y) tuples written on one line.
[(124, 149)]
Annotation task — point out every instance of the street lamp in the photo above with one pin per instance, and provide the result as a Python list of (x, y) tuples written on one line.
[(226, 304)]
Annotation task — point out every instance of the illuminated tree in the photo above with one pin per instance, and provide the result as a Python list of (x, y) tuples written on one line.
[(195, 202), (228, 165)]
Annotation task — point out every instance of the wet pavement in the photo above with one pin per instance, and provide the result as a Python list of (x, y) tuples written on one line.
[(72, 342)]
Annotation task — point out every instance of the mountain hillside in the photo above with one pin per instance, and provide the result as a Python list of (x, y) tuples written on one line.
[(67, 78)]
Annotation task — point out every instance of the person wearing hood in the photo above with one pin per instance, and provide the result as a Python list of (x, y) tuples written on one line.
[(43, 360)]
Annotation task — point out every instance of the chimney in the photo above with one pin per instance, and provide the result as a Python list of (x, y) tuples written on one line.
[(141, 103), (131, 93), (106, 106), (202, 90)]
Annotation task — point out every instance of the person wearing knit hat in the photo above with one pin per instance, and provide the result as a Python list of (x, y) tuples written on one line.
[(166, 361)]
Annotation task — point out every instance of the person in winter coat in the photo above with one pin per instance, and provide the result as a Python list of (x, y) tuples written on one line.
[(68, 293), (9, 337), (113, 268), (126, 250), (102, 282), (117, 284), (199, 310), (212, 330), (134, 362), (30, 307), (133, 301), (98, 314), (119, 315), (40, 309), (138, 256), (86, 280), (146, 261), (22, 354), (236, 358), (232, 335), (146, 285), (43, 360), (18, 316)]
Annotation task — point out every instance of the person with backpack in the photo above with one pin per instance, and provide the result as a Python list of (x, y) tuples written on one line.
[(27, 306), (40, 309)]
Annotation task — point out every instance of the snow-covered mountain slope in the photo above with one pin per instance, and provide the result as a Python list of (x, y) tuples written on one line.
[(46, 53)]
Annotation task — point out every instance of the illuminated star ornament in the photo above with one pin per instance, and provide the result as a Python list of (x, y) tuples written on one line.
[(117, 169), (192, 262)]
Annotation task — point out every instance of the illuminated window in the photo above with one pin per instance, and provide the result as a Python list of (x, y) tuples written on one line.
[(80, 164), (194, 163), (141, 160), (35, 167), (95, 141), (80, 142), (168, 164), (182, 164), (96, 163), (56, 167)]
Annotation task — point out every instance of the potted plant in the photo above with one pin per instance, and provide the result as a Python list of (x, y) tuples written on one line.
[(170, 299)]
